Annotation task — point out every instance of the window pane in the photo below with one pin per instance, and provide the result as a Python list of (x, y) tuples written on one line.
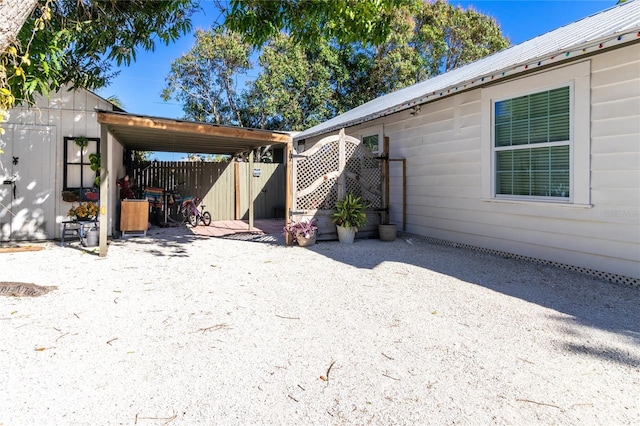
[(540, 159), (520, 132), (559, 101), (521, 172), (521, 108), (539, 105), (504, 182), (88, 177), (371, 142), (503, 112), (539, 130), (73, 176), (540, 184), (542, 172), (559, 128), (520, 183), (503, 134), (559, 158), (522, 169), (504, 161), (559, 184), (521, 159), (504, 176), (538, 118), (73, 153)]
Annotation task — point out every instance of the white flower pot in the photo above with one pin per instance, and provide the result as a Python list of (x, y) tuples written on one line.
[(346, 235)]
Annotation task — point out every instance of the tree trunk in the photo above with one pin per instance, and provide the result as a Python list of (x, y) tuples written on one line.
[(13, 14)]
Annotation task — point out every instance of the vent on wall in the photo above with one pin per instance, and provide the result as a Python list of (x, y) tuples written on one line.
[(615, 278)]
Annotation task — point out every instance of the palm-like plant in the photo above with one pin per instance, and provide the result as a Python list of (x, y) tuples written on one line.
[(349, 212)]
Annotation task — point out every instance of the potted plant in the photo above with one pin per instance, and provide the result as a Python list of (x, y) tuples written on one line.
[(303, 232), (348, 216), (84, 211), (387, 231)]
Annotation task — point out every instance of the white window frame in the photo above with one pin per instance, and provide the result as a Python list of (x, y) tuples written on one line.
[(568, 142), (576, 76), (373, 131)]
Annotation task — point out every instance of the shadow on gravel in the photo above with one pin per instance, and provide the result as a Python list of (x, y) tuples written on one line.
[(588, 301), (165, 242)]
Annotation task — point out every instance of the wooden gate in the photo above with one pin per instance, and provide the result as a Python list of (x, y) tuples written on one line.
[(329, 170)]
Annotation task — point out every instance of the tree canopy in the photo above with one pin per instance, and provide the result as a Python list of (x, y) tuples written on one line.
[(300, 85), (310, 21), (203, 79), (316, 58), (75, 43)]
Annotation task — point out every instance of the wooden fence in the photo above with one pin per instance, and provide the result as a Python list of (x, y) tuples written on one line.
[(223, 187)]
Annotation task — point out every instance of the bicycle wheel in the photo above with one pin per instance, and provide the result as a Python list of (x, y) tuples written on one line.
[(193, 219), (175, 215), (206, 218)]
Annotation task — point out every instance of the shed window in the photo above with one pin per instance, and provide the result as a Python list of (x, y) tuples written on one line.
[(77, 162), (371, 138), (371, 142), (532, 145)]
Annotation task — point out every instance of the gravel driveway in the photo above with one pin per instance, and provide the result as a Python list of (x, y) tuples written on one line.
[(180, 329)]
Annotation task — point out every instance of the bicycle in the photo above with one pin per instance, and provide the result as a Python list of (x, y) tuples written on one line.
[(175, 208), (193, 215)]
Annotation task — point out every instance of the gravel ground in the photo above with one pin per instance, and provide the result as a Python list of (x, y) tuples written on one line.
[(179, 329)]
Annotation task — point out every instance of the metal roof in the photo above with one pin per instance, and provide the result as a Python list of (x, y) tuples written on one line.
[(147, 133), (612, 27)]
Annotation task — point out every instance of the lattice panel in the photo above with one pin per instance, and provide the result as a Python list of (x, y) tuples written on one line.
[(318, 179), (322, 198), (368, 181), (324, 161), (314, 168)]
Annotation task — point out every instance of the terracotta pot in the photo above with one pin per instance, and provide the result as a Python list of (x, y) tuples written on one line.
[(306, 242)]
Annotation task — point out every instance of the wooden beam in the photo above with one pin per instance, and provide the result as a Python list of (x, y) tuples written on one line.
[(404, 191), (237, 191), (386, 196), (119, 119), (288, 196)]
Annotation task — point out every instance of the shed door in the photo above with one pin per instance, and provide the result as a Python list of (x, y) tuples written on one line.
[(329, 170), (27, 174)]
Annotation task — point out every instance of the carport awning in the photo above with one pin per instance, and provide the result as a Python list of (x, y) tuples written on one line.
[(146, 133)]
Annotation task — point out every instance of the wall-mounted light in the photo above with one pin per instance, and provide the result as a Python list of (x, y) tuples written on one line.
[(415, 110), (301, 146)]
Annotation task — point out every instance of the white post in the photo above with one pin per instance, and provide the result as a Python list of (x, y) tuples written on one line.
[(104, 189), (250, 183)]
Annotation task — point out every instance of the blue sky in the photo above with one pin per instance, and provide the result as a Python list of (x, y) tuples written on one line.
[(139, 85)]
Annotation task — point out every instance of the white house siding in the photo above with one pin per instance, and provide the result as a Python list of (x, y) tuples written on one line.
[(615, 159), (443, 148), (447, 170), (69, 113)]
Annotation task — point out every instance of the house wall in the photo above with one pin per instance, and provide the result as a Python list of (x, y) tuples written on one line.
[(69, 113), (447, 151)]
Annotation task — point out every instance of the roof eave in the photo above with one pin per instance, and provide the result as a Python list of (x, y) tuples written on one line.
[(563, 56)]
